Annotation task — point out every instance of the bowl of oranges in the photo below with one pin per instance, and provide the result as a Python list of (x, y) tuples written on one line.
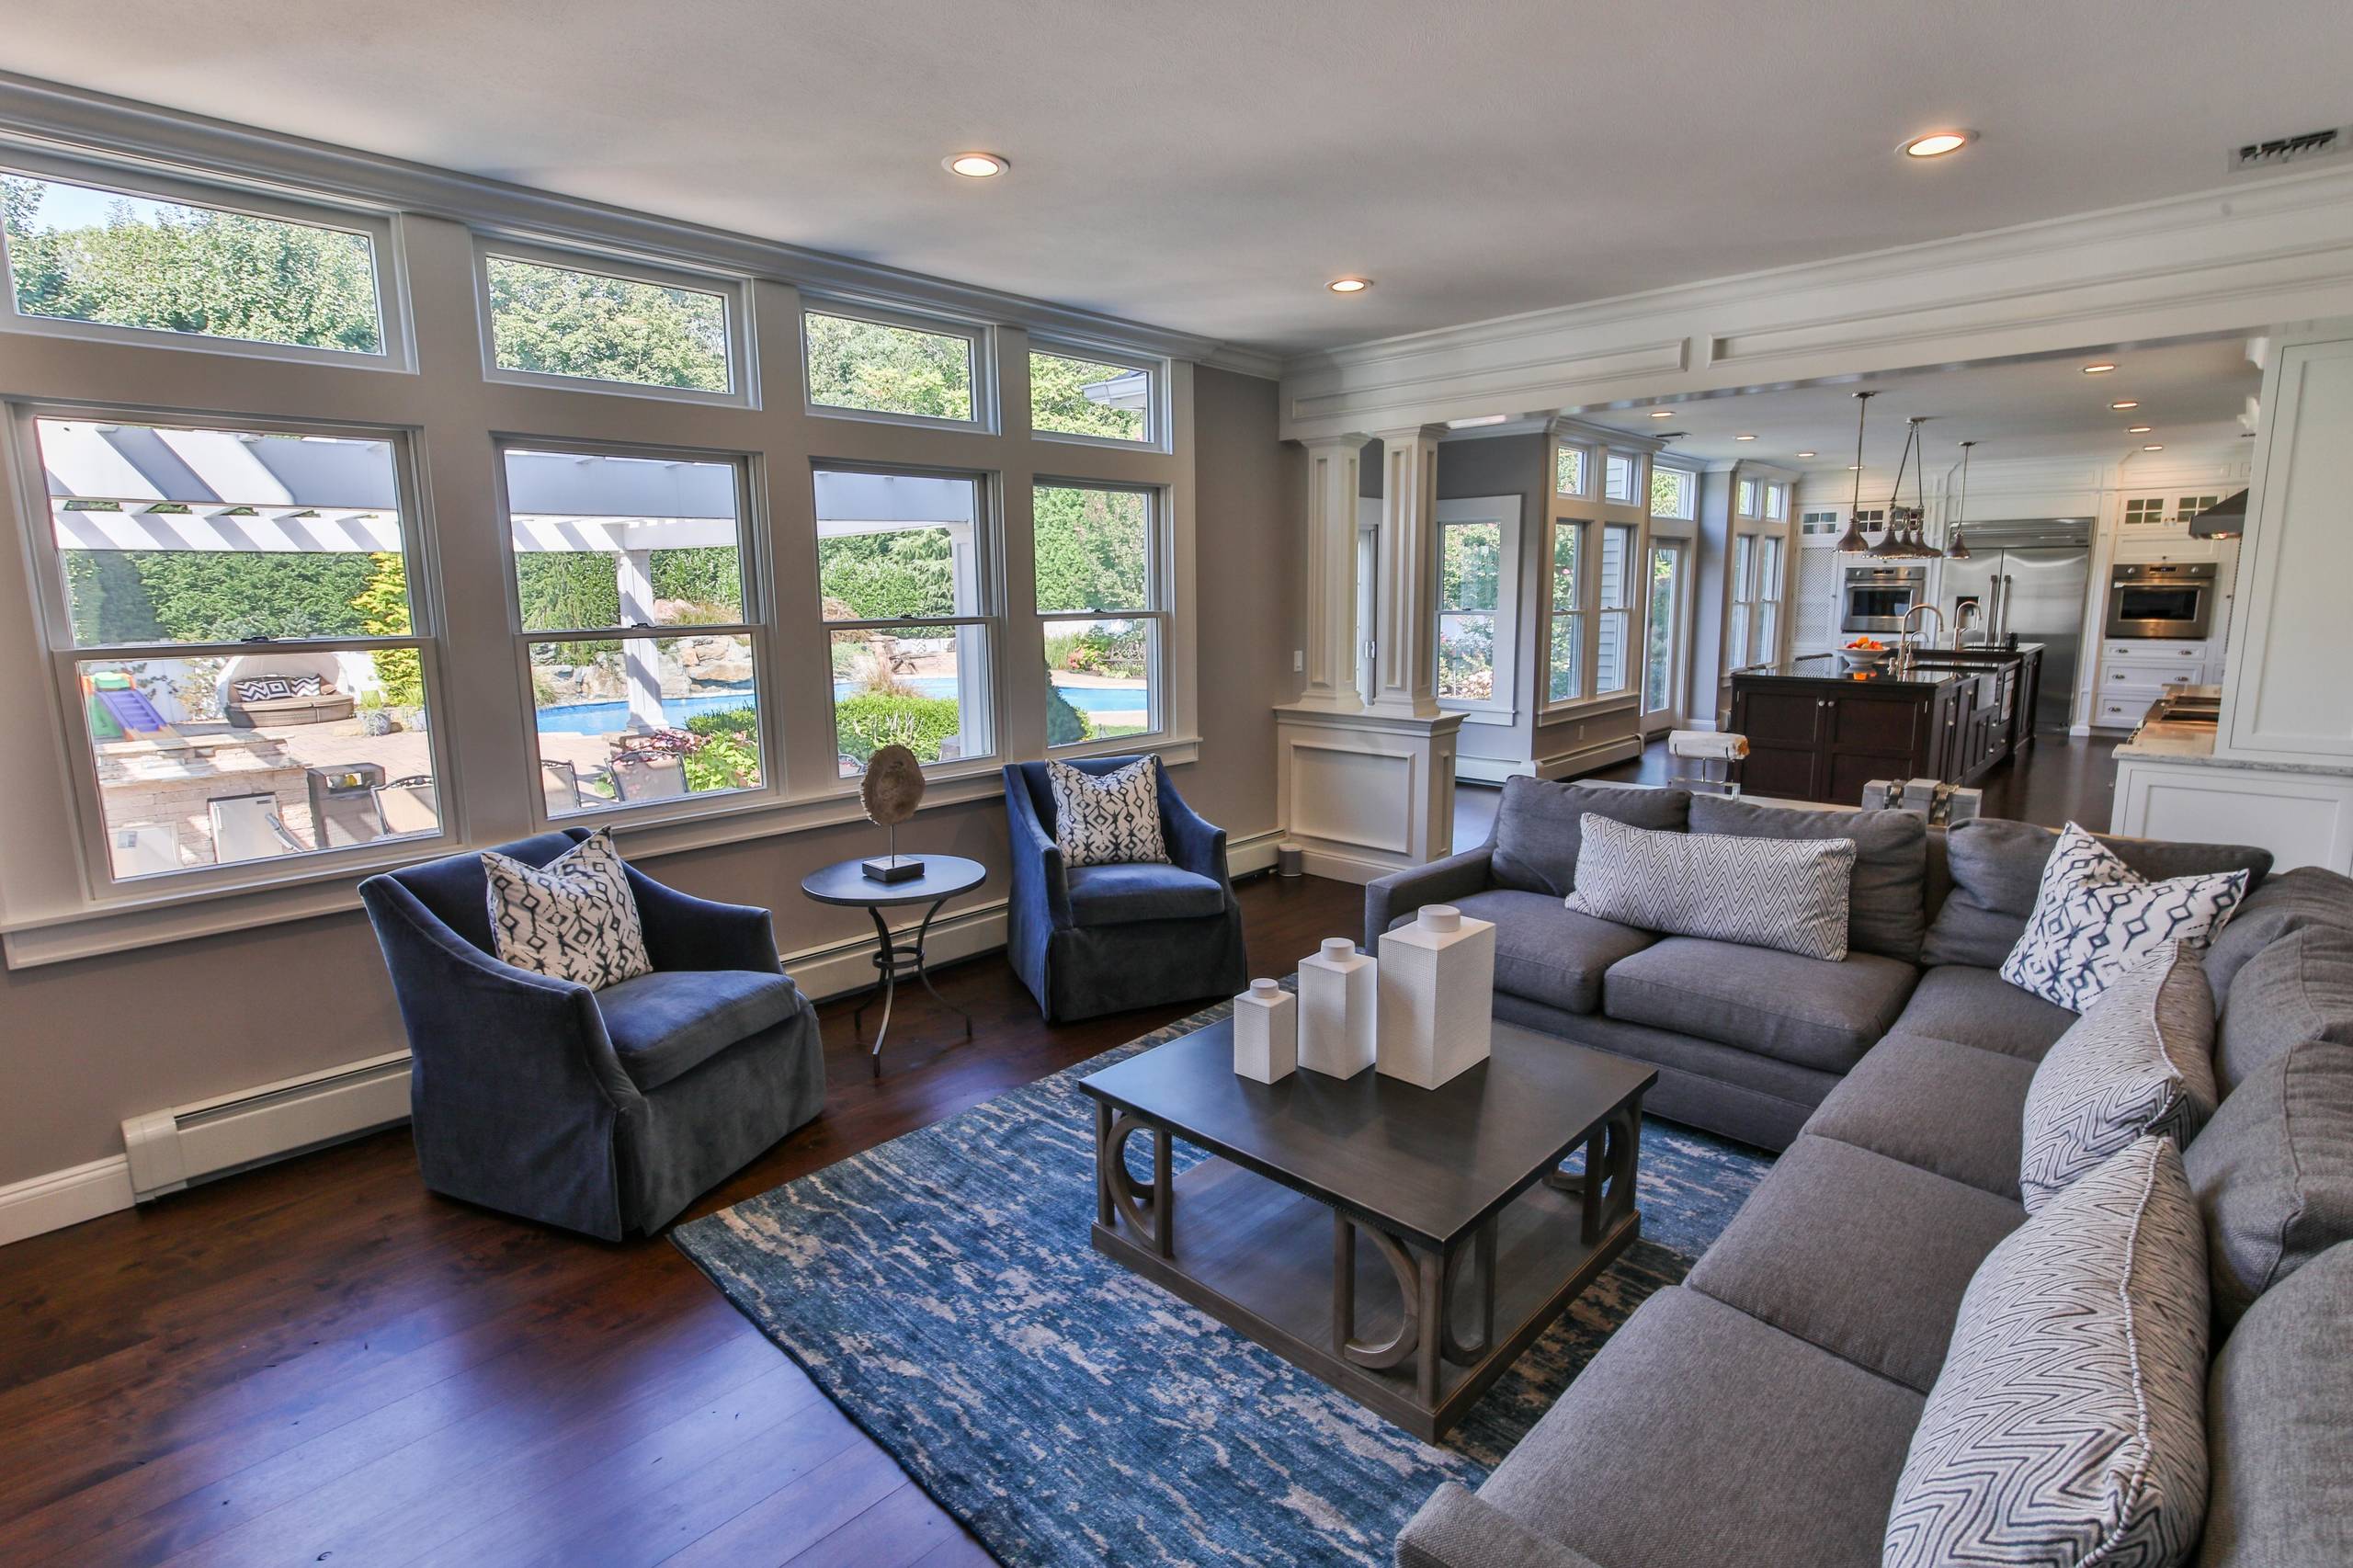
[(1865, 653)]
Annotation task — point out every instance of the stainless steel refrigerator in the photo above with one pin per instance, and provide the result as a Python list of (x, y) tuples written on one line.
[(2027, 577)]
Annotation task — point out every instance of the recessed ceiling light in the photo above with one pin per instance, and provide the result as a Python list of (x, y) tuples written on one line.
[(2098, 368), (1744, 437), (1349, 285), (2125, 404), (2138, 429), (1661, 414), (2155, 446), (1854, 468), (1474, 424), (1805, 454), (1937, 143), (976, 165)]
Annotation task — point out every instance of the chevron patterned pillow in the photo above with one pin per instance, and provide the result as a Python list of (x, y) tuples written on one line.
[(2141, 1060), (574, 918), (1787, 894), (2095, 917), (1109, 818), (2068, 1425)]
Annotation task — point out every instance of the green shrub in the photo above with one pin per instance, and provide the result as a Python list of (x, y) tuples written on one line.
[(1065, 725), (724, 721), (870, 720)]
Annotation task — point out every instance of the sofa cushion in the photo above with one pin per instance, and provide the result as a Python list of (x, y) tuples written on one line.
[(2279, 1427), (1790, 896), (1539, 826), (1121, 892), (2274, 1171), (1977, 1006), (1946, 1108), (1547, 951), (1701, 1435), (2068, 1425), (1862, 1255), (2298, 988), (1887, 911), (2291, 902), (2095, 917), (2140, 1061), (1996, 866), (668, 1023), (1778, 1005)]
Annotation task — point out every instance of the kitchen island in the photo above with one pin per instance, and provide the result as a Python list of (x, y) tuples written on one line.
[(2171, 784), (1818, 730)]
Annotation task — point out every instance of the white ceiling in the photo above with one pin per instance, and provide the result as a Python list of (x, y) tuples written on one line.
[(2192, 393), (1207, 165)]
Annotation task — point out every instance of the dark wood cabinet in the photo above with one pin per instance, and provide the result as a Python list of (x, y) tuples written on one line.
[(1818, 733)]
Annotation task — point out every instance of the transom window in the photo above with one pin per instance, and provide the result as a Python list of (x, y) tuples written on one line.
[(903, 563), (239, 644), (1569, 470), (871, 364), (1104, 613), (633, 596), (1618, 481), (1748, 499), (1674, 492), (579, 323), (1071, 394)]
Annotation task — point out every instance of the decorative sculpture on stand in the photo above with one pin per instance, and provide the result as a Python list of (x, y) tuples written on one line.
[(892, 791)]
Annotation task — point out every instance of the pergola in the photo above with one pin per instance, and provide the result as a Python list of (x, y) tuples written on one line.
[(224, 491)]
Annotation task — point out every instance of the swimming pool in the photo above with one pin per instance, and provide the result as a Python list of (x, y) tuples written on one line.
[(602, 718)]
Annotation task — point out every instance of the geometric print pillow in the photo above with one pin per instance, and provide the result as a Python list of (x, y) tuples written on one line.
[(2139, 1061), (574, 918), (2068, 1425), (2095, 917), (1111, 819)]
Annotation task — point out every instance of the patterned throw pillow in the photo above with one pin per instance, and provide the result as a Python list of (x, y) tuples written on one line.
[(2095, 917), (2068, 1425), (1108, 819), (261, 688), (1786, 894), (304, 686), (574, 918), (2139, 1062)]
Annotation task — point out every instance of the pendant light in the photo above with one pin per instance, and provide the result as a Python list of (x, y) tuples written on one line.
[(1893, 545), (1957, 548), (1852, 542), (1920, 548)]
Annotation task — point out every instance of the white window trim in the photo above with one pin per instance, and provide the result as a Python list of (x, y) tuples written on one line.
[(1546, 612), (743, 373), (1588, 465), (1156, 436), (382, 231), (1504, 511), (1690, 493), (981, 347), (1629, 582), (1159, 578)]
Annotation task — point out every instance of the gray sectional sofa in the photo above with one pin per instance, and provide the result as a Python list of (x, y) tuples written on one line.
[(1761, 1411)]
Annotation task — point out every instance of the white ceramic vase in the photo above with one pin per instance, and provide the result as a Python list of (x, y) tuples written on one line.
[(1265, 1032), (1339, 1010), (1437, 995)]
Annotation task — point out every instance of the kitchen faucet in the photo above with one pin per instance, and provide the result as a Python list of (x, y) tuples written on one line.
[(1904, 638), (1968, 612)]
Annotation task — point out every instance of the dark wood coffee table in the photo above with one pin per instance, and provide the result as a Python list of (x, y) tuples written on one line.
[(1478, 1240)]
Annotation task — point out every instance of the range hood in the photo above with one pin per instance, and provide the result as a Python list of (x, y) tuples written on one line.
[(2225, 519)]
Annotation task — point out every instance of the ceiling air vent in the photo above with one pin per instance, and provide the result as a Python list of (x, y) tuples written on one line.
[(2329, 143)]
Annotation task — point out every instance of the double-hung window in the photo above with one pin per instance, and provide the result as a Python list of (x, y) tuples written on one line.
[(639, 625), (1768, 595), (235, 634), (1564, 677), (1743, 603), (559, 320), (906, 567), (1613, 668), (1103, 607)]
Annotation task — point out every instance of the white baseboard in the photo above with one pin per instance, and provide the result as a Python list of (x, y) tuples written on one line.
[(59, 1199), (1256, 853), (1585, 759)]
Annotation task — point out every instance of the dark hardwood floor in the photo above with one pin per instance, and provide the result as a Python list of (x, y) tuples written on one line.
[(318, 1362)]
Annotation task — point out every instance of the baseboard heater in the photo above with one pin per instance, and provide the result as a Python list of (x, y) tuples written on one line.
[(170, 1149)]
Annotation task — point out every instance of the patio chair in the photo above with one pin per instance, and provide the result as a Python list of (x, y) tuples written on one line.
[(409, 805), (643, 776), (560, 787), (602, 1111), (248, 828), (1095, 939)]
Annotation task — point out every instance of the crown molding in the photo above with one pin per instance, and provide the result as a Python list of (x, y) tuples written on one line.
[(77, 123), (2244, 256)]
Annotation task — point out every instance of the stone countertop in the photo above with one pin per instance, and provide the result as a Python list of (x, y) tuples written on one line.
[(2172, 741), (1829, 667)]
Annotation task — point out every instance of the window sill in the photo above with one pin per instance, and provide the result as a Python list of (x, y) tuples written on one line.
[(180, 917), (1587, 708)]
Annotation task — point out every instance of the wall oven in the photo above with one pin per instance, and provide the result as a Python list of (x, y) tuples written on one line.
[(1877, 599), (2170, 599)]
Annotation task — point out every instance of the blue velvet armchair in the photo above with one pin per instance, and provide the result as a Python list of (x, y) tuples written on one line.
[(1093, 939), (602, 1111)]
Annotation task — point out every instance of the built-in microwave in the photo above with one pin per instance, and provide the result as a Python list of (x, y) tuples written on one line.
[(2167, 599), (1877, 599)]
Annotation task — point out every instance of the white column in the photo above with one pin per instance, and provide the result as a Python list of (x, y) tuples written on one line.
[(1406, 637), (641, 660), (1332, 465)]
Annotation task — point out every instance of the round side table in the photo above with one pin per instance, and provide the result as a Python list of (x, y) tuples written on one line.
[(944, 876)]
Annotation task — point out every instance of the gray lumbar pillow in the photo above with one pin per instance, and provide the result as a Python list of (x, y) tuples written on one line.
[(2139, 1061), (1760, 892), (2273, 1171), (2067, 1426)]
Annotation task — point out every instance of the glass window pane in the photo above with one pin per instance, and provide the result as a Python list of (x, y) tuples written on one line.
[(1099, 675), (1568, 475), (1617, 561), (1748, 498), (1659, 664), (175, 534), (926, 688), (1071, 396), (1619, 481), (207, 761), (1093, 547), (556, 320), (622, 720), (1567, 633), (882, 369), (1466, 655), (1671, 493), (78, 253), (898, 546), (611, 541), (1564, 566), (1470, 565)]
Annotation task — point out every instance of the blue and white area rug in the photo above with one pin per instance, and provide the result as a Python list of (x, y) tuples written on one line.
[(942, 1289)]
